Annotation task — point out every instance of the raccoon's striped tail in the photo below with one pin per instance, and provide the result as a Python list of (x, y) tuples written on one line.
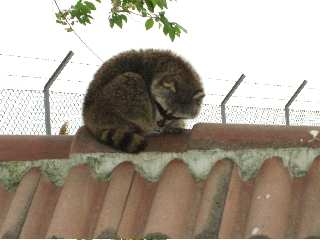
[(124, 140)]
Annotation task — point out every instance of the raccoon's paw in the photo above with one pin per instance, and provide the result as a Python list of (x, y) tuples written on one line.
[(124, 140), (174, 130), (155, 132), (175, 126)]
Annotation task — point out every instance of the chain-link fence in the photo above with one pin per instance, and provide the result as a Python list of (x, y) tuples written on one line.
[(22, 112), (255, 115)]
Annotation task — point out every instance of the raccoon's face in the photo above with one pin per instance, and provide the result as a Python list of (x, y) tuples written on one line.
[(177, 98)]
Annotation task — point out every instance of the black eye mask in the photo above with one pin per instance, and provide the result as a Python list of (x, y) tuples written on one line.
[(163, 113), (165, 116)]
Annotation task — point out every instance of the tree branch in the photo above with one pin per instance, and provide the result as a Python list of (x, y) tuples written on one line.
[(76, 33)]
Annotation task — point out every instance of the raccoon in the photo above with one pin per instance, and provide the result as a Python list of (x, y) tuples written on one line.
[(141, 93)]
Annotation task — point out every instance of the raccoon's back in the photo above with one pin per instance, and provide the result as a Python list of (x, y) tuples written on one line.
[(146, 63), (125, 62)]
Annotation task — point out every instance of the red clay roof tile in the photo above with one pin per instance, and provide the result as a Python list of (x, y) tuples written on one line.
[(137, 208), (79, 205), (28, 148), (20, 204), (114, 202), (41, 209), (309, 222), (200, 193)]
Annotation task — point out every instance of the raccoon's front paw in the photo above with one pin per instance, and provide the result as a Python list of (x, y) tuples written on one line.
[(174, 130), (155, 132)]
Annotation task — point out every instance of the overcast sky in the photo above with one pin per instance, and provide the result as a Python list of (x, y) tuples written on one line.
[(271, 42)]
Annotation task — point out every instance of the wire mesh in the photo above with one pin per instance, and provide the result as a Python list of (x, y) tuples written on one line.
[(22, 112), (65, 107)]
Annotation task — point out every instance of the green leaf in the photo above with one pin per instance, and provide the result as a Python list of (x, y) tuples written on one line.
[(111, 22), (172, 34), (75, 13), (90, 5), (150, 5), (177, 29), (163, 19), (166, 29), (154, 2), (161, 14), (139, 6), (144, 12), (83, 8), (99, 1), (58, 16), (118, 20), (82, 21), (159, 4), (124, 17), (86, 19), (149, 23), (162, 3), (183, 29)]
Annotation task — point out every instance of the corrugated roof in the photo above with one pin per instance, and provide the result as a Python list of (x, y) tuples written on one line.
[(188, 185)]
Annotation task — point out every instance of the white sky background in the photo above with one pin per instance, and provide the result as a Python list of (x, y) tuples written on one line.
[(271, 42)]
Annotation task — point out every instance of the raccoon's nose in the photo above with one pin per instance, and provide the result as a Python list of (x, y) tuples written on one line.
[(161, 123)]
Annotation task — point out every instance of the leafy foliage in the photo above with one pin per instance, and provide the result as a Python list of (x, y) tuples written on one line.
[(120, 9)]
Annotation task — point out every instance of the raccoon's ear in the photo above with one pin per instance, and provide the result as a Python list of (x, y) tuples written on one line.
[(198, 97), (169, 86)]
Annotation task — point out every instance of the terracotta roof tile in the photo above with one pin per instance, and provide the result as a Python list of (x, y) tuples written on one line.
[(79, 203), (189, 185), (273, 204), (115, 201), (20, 204), (309, 222), (22, 148), (41, 209)]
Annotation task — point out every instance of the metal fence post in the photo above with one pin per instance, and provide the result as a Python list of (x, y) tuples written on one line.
[(225, 100), (46, 91), (286, 109)]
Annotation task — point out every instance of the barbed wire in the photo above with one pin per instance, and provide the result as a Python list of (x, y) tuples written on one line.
[(45, 78), (46, 59), (88, 64), (277, 99), (264, 84), (219, 95)]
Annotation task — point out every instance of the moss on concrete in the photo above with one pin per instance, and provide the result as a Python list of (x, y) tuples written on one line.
[(151, 164)]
